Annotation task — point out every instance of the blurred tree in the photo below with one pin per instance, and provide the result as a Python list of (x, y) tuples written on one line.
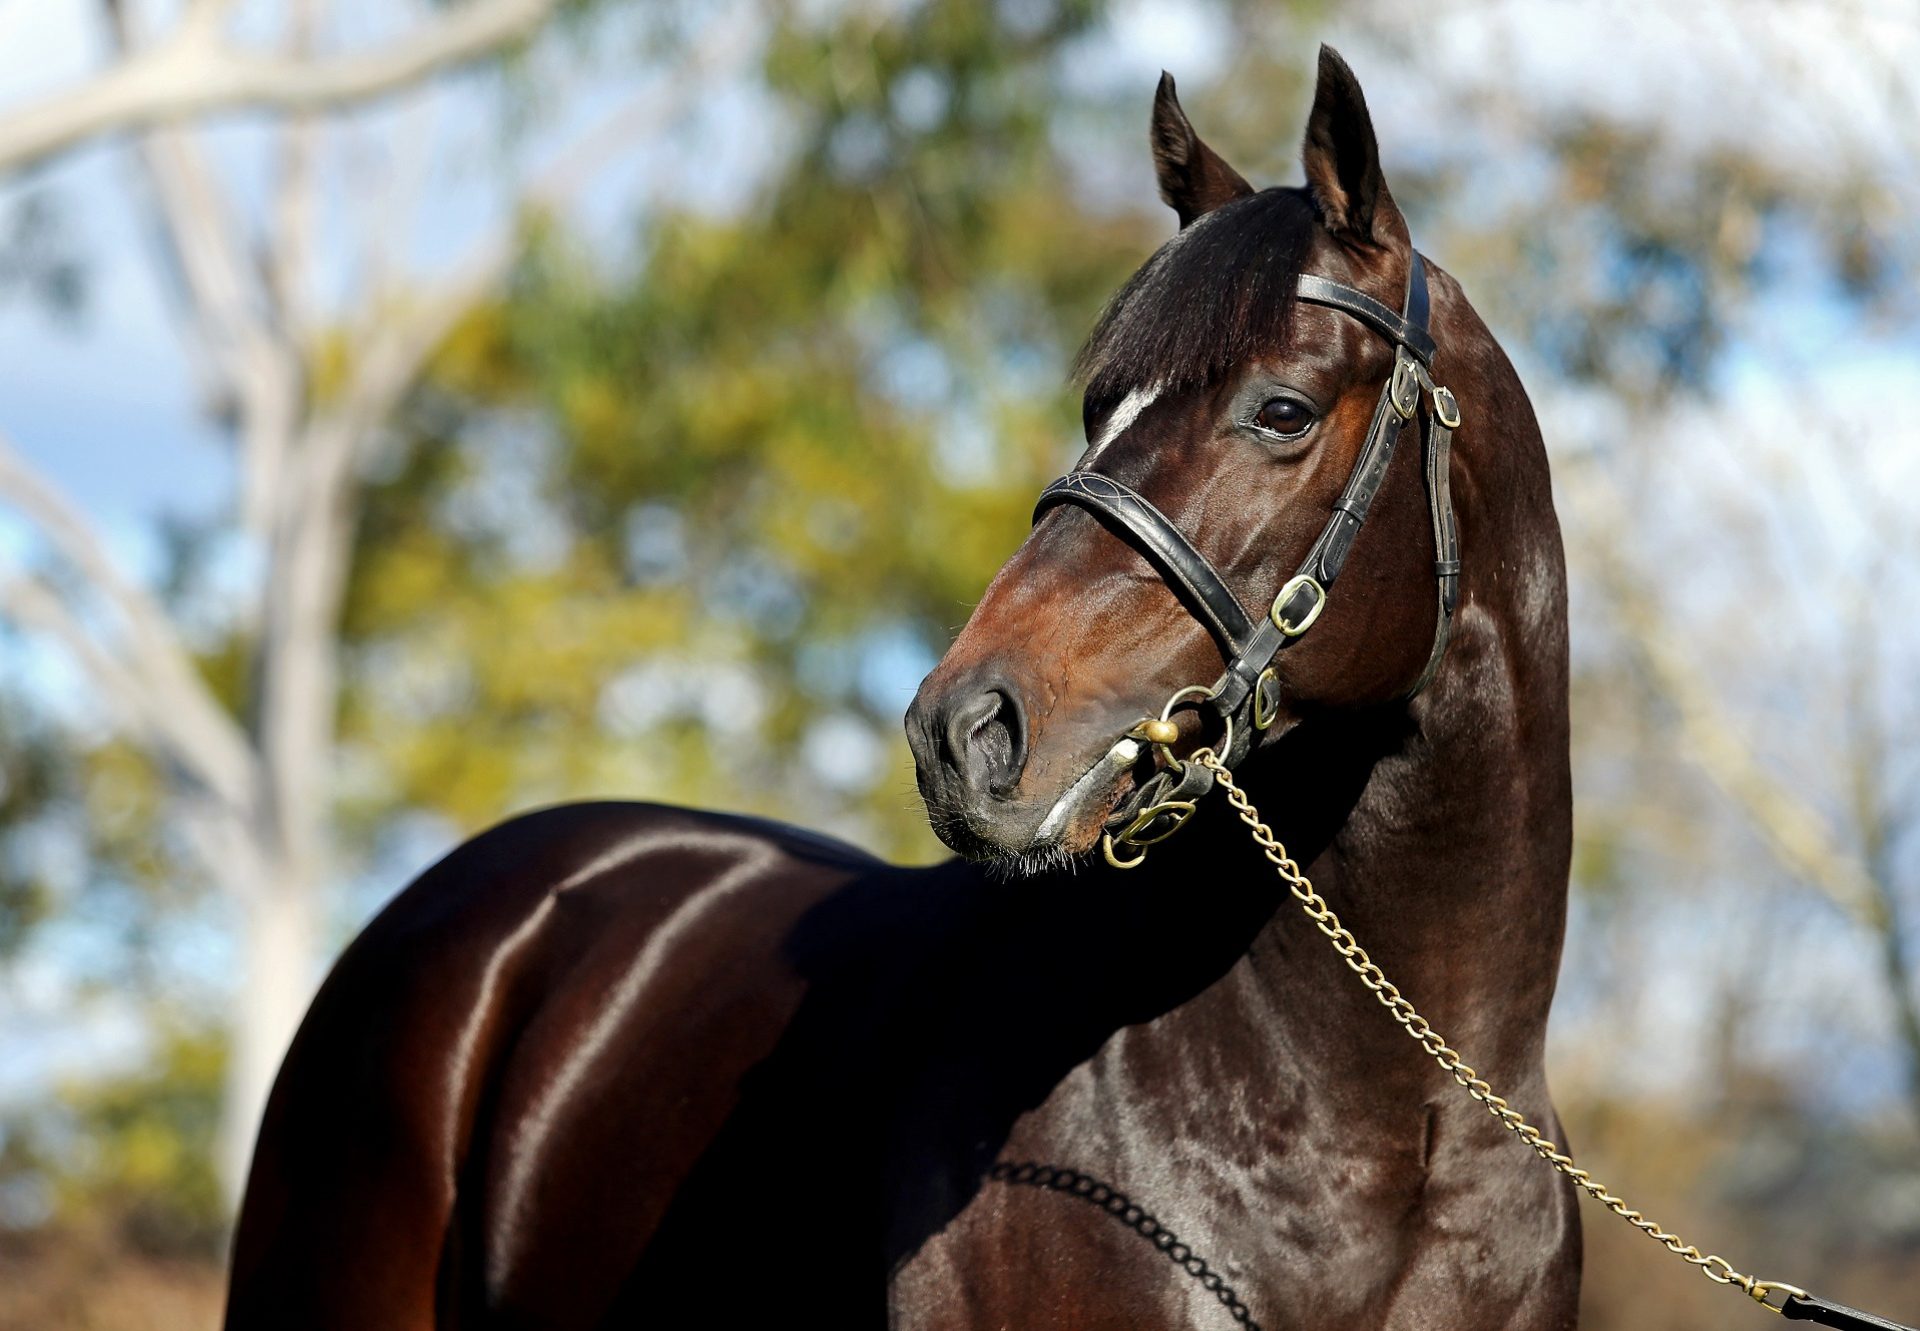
[(237, 747), (689, 526), (669, 533), (127, 1163), (696, 531)]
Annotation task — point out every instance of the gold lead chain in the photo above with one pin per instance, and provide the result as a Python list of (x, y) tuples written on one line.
[(1714, 1267)]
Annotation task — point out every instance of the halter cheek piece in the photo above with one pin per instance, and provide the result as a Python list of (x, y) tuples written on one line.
[(1246, 697)]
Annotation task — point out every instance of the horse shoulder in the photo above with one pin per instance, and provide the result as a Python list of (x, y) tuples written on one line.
[(568, 976)]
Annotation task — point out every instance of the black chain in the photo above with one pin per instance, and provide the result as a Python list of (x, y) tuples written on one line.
[(1122, 1208)]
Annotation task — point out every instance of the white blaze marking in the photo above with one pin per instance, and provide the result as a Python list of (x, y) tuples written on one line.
[(1125, 415)]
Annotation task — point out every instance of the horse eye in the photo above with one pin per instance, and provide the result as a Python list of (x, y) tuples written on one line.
[(1285, 415)]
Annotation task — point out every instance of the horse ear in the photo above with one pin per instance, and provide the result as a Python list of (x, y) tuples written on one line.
[(1194, 179), (1343, 160)]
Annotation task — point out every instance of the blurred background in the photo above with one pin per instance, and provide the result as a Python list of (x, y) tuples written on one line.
[(414, 412)]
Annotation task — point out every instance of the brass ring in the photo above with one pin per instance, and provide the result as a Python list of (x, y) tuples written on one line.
[(1198, 691), (1106, 848)]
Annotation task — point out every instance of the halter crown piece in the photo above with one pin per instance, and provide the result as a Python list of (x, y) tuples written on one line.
[(1246, 697)]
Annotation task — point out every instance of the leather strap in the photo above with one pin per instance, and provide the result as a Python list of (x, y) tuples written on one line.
[(1329, 553), (1821, 1312), (1446, 543), (1408, 330), (1155, 536), (1323, 563)]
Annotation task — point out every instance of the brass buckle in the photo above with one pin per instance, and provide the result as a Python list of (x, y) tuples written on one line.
[(1161, 732), (1446, 408), (1403, 390), (1294, 584), (1266, 709), (1181, 811)]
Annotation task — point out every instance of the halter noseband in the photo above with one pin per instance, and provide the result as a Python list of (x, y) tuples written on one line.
[(1247, 695)]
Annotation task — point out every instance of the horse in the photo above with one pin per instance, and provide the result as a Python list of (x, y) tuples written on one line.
[(615, 1064)]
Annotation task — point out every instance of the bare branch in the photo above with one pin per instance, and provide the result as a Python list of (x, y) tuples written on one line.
[(313, 527), (200, 228), (33, 605), (206, 239), (256, 365), (394, 191), (249, 362), (401, 343), (225, 847), (195, 73), (142, 703), (200, 732), (208, 14), (291, 252)]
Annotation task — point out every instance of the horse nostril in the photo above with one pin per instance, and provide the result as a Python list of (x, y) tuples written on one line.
[(986, 742)]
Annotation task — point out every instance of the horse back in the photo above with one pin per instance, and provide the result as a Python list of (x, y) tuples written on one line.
[(536, 1040)]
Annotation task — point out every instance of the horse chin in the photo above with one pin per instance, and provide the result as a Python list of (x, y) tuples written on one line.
[(1019, 841)]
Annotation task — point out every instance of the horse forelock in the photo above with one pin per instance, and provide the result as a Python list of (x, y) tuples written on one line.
[(1219, 291)]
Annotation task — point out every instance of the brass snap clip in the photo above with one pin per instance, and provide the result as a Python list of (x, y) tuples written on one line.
[(1762, 1293), (1176, 811), (1161, 732)]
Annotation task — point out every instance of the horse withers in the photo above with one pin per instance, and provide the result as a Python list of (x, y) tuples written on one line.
[(616, 1065)]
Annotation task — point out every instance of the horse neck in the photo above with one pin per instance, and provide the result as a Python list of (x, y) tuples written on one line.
[(1441, 834)]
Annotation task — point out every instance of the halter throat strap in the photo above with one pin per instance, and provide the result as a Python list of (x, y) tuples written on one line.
[(1247, 692)]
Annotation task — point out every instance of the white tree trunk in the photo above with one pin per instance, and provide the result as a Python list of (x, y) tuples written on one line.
[(258, 788), (279, 942)]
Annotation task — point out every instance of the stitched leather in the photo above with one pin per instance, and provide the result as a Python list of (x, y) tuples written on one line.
[(1321, 291), (1329, 554), (1446, 535), (1155, 536), (1446, 542), (1418, 304)]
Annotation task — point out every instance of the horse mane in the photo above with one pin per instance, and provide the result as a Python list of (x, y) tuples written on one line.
[(1215, 294)]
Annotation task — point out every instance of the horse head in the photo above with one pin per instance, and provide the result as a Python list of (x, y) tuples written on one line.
[(1243, 391)]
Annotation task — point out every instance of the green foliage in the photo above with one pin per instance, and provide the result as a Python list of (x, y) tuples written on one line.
[(718, 494), (132, 1153), (36, 781)]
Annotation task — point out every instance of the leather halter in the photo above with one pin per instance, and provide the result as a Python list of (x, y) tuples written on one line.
[(1246, 696)]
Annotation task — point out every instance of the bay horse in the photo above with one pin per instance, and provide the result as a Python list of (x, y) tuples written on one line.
[(619, 1065)]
